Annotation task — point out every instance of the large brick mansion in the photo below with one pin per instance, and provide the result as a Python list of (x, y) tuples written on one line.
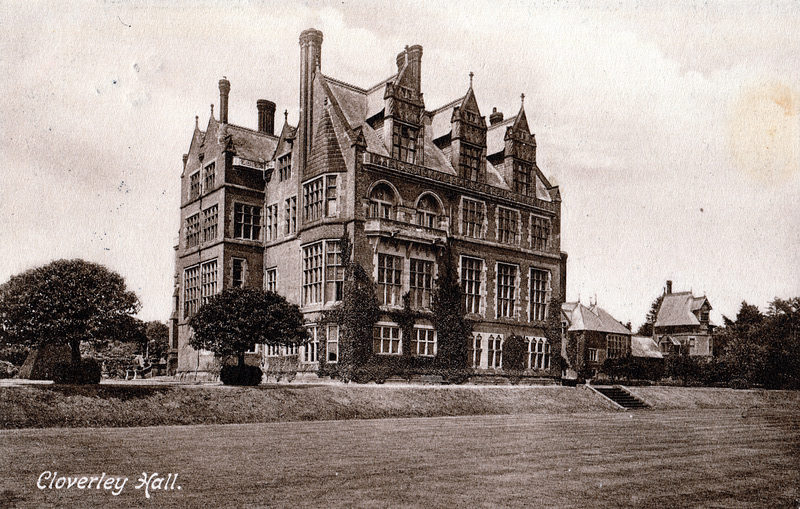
[(267, 208)]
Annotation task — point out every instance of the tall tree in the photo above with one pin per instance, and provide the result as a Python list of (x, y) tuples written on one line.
[(157, 334), (233, 321), (646, 329), (66, 301)]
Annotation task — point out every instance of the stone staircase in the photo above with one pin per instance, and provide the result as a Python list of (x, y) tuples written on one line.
[(621, 397)]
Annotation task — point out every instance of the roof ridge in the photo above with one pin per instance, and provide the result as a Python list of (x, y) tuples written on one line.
[(380, 83), (344, 84), (448, 105), (253, 131), (509, 120)]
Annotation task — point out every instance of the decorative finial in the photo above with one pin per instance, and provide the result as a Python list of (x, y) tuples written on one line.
[(196, 122), (286, 116), (522, 99), (212, 109), (471, 74)]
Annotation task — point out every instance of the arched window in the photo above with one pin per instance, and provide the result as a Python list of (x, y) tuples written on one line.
[(475, 350), (538, 353), (382, 202), (495, 351), (428, 212)]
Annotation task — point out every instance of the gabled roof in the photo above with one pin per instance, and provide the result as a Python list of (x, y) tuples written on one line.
[(285, 139), (643, 346), (678, 309), (669, 339), (521, 121), (469, 103), (592, 318)]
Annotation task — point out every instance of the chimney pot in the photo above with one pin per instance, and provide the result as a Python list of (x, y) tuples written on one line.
[(224, 90), (266, 116), (495, 117), (669, 286)]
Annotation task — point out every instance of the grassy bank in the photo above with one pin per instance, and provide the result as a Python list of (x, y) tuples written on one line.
[(145, 405), (688, 398), (121, 405)]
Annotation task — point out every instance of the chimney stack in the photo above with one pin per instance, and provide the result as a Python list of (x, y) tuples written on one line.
[(669, 286), (414, 59), (496, 117), (401, 60), (266, 116), (310, 59), (224, 90)]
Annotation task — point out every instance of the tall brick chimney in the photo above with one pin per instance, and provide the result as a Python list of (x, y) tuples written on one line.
[(414, 59), (224, 90), (266, 116), (401, 60), (310, 60), (669, 286)]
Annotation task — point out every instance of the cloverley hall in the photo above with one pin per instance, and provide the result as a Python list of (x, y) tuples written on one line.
[(267, 208)]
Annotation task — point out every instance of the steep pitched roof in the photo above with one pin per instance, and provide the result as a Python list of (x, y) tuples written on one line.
[(678, 309), (592, 318), (250, 144), (441, 118), (469, 102), (495, 136), (521, 121), (643, 346), (374, 97), (325, 151)]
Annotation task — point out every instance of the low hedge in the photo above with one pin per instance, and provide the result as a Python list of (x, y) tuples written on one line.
[(240, 375), (86, 372)]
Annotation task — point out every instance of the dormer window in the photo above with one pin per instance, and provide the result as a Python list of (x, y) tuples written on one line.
[(522, 177), (470, 162), (285, 167), (404, 142), (381, 202), (704, 315)]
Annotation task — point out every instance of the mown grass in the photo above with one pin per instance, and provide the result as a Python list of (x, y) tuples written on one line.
[(711, 458)]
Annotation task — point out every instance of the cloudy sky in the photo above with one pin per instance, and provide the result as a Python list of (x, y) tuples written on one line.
[(672, 130)]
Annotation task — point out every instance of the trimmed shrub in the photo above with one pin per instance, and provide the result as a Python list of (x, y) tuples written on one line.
[(7, 370), (514, 350), (87, 372), (371, 373), (240, 375)]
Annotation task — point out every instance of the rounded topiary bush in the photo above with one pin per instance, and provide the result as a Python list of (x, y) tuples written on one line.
[(240, 375), (87, 372)]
